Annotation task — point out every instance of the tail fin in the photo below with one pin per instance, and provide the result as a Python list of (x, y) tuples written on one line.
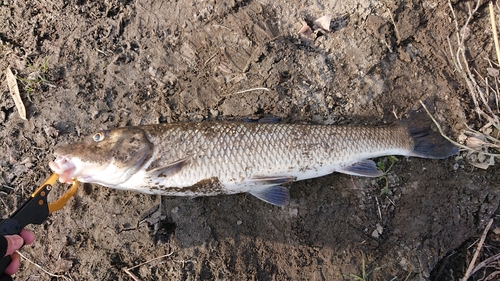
[(426, 142)]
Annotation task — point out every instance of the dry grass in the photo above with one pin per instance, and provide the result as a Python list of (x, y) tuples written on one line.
[(482, 145), (56, 276), (471, 267)]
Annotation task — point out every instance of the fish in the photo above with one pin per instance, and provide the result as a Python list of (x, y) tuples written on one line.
[(222, 157)]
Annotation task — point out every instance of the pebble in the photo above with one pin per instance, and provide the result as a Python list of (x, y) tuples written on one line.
[(378, 231), (214, 112)]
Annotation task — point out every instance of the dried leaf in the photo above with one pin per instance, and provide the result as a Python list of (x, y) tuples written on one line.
[(14, 92), (306, 32), (225, 68), (475, 143), (323, 22), (492, 71), (63, 266), (484, 165), (481, 161)]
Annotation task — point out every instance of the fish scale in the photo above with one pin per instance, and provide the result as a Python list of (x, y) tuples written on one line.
[(210, 158)]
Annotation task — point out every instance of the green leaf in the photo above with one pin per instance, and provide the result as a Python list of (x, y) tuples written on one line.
[(392, 159), (381, 165)]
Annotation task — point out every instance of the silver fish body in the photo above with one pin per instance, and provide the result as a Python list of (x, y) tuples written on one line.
[(211, 158)]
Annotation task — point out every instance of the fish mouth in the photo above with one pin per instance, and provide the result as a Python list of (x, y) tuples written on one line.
[(64, 168)]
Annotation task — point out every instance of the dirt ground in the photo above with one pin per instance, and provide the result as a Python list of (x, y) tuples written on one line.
[(90, 65)]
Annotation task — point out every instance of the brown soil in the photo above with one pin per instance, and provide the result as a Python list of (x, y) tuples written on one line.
[(104, 64)]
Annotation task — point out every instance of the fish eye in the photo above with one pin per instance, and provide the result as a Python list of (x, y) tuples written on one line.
[(97, 137)]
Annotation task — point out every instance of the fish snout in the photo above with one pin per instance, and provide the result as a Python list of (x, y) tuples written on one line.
[(63, 167)]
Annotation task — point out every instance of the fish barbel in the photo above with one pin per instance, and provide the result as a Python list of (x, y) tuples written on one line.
[(211, 158)]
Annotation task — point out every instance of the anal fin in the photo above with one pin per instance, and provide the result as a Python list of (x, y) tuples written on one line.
[(276, 195), (365, 168)]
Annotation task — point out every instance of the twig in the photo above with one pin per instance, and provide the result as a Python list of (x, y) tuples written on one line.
[(148, 261), (254, 89), (353, 184), (485, 263), (218, 25), (493, 274), (394, 113), (131, 274), (6, 208), (102, 52), (408, 276), (378, 207), (392, 202), (395, 27), (127, 270), (9, 187), (41, 268), (494, 30), (478, 250), (209, 59)]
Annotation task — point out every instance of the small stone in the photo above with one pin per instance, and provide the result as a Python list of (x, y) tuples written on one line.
[(380, 229)]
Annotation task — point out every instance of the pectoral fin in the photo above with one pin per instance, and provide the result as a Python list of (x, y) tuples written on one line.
[(365, 168), (276, 195), (169, 170)]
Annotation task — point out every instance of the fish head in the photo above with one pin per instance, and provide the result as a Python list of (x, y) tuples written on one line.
[(107, 157)]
